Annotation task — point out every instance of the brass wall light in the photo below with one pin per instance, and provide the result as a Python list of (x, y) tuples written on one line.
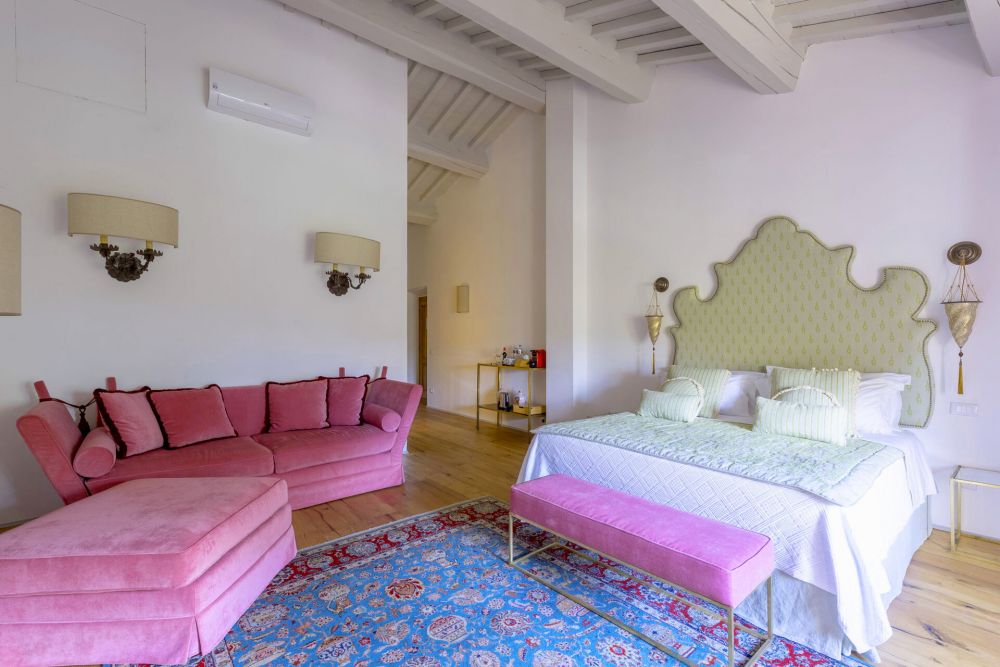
[(962, 302), (10, 261), (654, 316), (105, 216), (337, 249)]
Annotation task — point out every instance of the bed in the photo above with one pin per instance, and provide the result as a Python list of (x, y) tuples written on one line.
[(840, 562)]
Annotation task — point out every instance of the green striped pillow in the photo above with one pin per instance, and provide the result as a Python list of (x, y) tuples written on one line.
[(824, 423), (843, 385), (713, 380), (673, 406)]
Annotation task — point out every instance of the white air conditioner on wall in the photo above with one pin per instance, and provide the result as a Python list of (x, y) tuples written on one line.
[(251, 100)]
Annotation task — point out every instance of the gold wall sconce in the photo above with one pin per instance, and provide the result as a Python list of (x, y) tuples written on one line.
[(961, 302), (10, 261), (105, 216), (462, 299), (654, 316), (337, 249)]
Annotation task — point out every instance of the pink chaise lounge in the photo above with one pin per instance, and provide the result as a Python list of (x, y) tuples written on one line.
[(319, 465)]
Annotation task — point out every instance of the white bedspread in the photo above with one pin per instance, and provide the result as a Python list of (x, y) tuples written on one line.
[(838, 549)]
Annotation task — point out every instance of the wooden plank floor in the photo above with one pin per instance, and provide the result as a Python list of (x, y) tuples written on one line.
[(947, 615)]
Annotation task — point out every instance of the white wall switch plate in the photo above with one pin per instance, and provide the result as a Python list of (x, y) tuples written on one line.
[(965, 409)]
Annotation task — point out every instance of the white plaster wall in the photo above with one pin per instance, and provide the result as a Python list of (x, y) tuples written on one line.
[(241, 300), (490, 233), (890, 143)]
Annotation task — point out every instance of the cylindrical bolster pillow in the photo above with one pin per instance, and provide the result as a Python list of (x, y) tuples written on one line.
[(97, 454), (386, 419)]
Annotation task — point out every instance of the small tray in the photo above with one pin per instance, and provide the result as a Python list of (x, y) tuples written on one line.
[(530, 410)]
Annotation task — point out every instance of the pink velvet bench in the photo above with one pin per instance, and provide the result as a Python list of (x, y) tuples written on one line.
[(150, 571), (715, 561)]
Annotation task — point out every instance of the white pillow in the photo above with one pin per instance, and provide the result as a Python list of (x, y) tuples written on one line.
[(880, 402), (739, 395)]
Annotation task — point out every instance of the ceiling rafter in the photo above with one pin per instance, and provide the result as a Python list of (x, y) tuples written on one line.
[(985, 18)]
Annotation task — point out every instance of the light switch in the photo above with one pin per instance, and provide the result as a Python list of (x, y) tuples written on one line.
[(965, 409)]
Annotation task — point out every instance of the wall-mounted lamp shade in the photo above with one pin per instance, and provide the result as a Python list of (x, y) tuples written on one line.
[(10, 261), (332, 248), (462, 300), (104, 215)]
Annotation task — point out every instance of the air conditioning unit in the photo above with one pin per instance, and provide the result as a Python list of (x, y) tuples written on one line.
[(251, 100)]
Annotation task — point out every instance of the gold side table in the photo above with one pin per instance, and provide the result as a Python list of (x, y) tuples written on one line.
[(966, 476)]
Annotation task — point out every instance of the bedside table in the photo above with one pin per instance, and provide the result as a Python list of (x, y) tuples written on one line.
[(971, 477)]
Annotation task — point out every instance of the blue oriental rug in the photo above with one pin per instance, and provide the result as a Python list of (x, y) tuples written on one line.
[(435, 591)]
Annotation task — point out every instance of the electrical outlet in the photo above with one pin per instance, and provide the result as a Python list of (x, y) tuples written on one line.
[(965, 409)]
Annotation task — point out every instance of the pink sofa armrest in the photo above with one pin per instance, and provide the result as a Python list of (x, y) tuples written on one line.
[(402, 398), (385, 418), (97, 454), (52, 436)]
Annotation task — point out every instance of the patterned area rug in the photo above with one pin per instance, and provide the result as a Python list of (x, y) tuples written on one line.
[(435, 591)]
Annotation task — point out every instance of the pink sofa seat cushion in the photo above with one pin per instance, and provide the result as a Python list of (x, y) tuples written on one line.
[(723, 562), (303, 449), (130, 420), (296, 406), (190, 416), (97, 454), (384, 418), (345, 396), (149, 534), (231, 457)]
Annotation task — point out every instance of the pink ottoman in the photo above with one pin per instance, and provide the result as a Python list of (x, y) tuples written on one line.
[(150, 571)]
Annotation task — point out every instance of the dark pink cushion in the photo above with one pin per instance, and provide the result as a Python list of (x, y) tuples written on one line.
[(188, 416), (717, 560), (230, 457), (97, 454), (247, 408), (295, 406), (345, 397), (386, 419), (130, 419), (302, 449), (149, 534)]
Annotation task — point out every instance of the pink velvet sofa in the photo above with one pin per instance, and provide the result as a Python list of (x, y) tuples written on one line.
[(319, 465)]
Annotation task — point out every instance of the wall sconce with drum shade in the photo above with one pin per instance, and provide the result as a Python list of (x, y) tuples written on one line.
[(337, 249), (10, 261), (105, 216), (961, 302), (654, 316), (462, 299)]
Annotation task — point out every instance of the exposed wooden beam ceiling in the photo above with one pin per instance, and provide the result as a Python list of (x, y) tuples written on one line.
[(397, 29), (542, 29), (742, 36), (985, 18), (908, 18)]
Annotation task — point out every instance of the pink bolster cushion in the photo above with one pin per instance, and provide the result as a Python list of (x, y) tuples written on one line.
[(189, 416), (130, 420), (345, 396), (97, 454), (296, 406), (386, 419)]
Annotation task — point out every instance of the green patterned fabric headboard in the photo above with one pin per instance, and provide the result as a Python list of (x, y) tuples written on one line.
[(786, 299)]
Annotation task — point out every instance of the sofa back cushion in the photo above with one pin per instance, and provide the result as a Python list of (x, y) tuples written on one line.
[(130, 420), (247, 408), (345, 397), (189, 416), (296, 406)]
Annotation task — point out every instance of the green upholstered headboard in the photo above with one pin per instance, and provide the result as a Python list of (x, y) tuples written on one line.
[(786, 299)]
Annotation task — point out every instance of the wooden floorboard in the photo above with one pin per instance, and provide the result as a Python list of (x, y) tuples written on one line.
[(948, 614)]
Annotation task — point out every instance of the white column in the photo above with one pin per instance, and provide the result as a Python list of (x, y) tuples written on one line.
[(566, 296)]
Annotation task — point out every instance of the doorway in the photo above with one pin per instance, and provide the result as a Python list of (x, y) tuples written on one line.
[(422, 346)]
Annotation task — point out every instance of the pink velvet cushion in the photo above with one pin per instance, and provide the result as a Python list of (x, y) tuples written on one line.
[(296, 406), (130, 420), (345, 396), (303, 449), (97, 454), (386, 419), (149, 534), (188, 416), (717, 560)]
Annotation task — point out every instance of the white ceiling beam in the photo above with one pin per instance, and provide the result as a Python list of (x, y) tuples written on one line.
[(427, 9), (985, 18), (458, 24), (542, 29), (812, 11), (635, 24), (486, 39), (451, 111), (909, 18), (396, 28), (594, 10), (742, 36), (420, 214), (683, 54), (664, 39), (447, 155)]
